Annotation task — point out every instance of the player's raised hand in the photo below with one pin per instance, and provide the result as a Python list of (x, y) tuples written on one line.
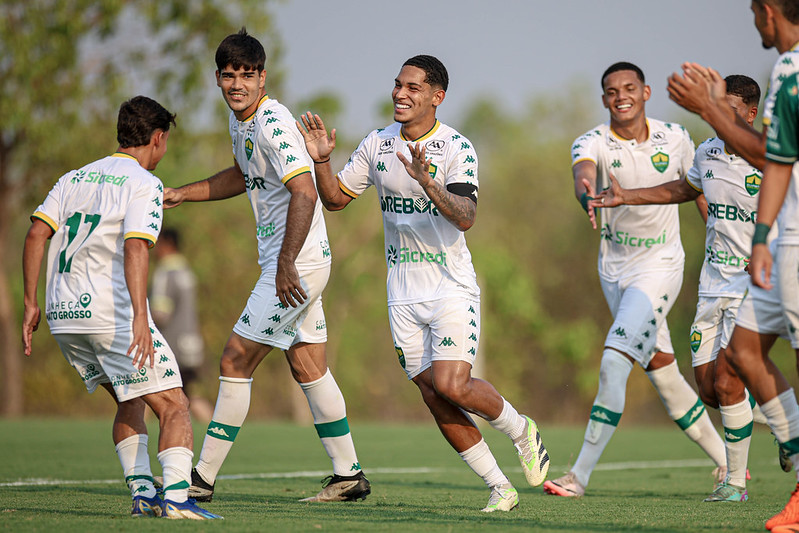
[(613, 196), (30, 323), (317, 142), (590, 193), (172, 197), (418, 167), (696, 89), (141, 347)]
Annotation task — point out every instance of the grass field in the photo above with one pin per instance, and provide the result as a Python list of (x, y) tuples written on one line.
[(64, 475)]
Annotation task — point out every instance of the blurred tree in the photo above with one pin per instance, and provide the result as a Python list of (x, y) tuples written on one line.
[(66, 66)]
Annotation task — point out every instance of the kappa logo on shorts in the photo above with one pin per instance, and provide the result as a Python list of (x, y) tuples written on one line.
[(619, 332), (447, 341)]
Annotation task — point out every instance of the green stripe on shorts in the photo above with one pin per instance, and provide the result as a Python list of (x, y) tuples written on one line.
[(339, 428), (691, 416), (222, 431), (606, 416)]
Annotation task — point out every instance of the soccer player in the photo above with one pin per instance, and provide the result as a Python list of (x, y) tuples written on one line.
[(640, 268), (284, 310), (730, 186), (102, 219), (769, 310), (425, 174)]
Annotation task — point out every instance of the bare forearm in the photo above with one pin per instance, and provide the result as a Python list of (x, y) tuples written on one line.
[(298, 222), (459, 210), (329, 191), (32, 256), (224, 184), (673, 192), (772, 192), (136, 268)]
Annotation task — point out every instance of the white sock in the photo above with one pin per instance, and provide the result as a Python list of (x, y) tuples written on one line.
[(737, 422), (687, 410), (783, 418), (330, 419), (176, 464), (482, 461), (135, 461), (232, 405), (605, 414), (509, 422)]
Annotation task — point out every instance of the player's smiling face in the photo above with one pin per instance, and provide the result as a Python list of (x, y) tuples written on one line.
[(624, 96), (242, 89), (415, 100)]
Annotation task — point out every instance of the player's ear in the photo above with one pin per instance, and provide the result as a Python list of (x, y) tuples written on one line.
[(647, 92), (262, 78), (438, 97)]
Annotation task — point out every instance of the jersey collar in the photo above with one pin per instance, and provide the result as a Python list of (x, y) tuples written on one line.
[(260, 102), (423, 137), (620, 138), (122, 154)]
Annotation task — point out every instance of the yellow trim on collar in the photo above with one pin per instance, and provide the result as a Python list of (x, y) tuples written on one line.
[(423, 137), (261, 101), (122, 154)]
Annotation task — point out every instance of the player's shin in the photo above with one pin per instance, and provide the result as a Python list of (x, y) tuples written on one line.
[(687, 410), (737, 421), (782, 414), (232, 406), (330, 420), (176, 464), (135, 462), (606, 412)]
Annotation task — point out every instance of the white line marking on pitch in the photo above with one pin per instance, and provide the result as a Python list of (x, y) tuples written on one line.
[(630, 465)]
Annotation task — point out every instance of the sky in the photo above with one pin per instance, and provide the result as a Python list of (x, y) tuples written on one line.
[(510, 50)]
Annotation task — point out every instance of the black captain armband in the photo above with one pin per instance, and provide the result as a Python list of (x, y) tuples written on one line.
[(466, 190)]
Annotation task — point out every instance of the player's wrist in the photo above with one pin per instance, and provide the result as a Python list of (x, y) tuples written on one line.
[(761, 233), (322, 161), (584, 199)]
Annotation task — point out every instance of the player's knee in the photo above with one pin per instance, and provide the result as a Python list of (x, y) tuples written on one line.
[(707, 393), (450, 389)]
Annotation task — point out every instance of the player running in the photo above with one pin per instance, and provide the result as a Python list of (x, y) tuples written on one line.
[(730, 186), (284, 310), (102, 219), (640, 268), (425, 174)]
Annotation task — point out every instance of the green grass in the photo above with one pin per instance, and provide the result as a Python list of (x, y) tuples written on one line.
[(92, 496)]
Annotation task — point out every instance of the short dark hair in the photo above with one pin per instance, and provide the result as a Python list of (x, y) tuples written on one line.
[(138, 119), (621, 65), (171, 236), (240, 50), (434, 70), (745, 87), (788, 8)]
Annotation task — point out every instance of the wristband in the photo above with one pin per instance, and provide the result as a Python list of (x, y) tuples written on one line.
[(584, 201), (322, 162), (761, 233)]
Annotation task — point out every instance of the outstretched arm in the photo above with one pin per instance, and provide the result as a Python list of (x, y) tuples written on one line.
[(224, 184), (584, 174), (319, 147), (672, 192), (703, 91), (461, 211), (32, 256)]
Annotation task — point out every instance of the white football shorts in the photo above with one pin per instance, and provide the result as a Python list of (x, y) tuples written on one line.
[(102, 358), (266, 321), (442, 330), (712, 327), (639, 304)]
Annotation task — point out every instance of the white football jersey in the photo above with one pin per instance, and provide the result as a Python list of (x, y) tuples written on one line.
[(426, 255), (788, 219), (92, 211), (638, 238), (731, 187), (270, 151)]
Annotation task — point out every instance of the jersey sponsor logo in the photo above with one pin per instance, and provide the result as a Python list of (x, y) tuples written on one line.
[(78, 177), (696, 340), (752, 183), (325, 248), (254, 183), (713, 152), (723, 257), (435, 147), (658, 138), (248, 147), (386, 146), (70, 310), (90, 372), (613, 144), (289, 331), (407, 206), (730, 212), (98, 177), (321, 325), (660, 161), (624, 238), (406, 255)]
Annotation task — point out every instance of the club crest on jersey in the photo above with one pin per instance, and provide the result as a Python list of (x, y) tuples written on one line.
[(248, 147), (696, 340), (752, 184), (433, 170), (660, 161)]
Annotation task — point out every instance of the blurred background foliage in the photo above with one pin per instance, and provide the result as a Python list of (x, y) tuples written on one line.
[(544, 316)]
